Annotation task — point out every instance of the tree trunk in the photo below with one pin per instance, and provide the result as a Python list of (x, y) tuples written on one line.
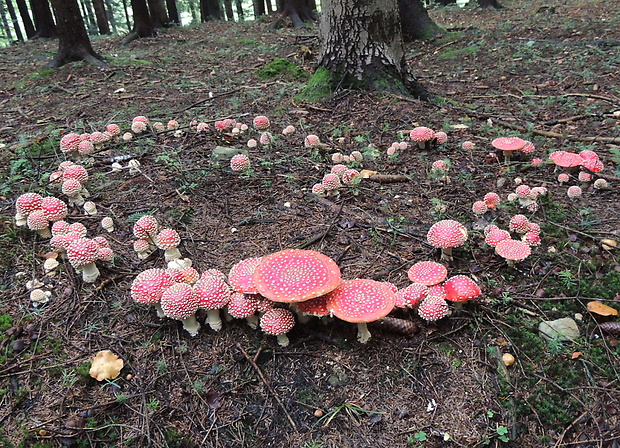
[(299, 12), (239, 7), (110, 15), (210, 10), (362, 48), (228, 9), (269, 6), (43, 19), (446, 2), (415, 22), (142, 24), (173, 12), (127, 21), (5, 22), (73, 42), (100, 14), (25, 15), (159, 16), (89, 17), (193, 12), (489, 4), (259, 8), (13, 15)]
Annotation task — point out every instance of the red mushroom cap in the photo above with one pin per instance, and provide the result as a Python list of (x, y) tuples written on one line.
[(314, 307), (239, 163), (37, 220), (168, 238), (427, 273), (495, 236), (179, 301), (295, 275), (594, 165), (508, 143), (411, 296), (421, 134), (71, 187), (54, 208), (212, 292), (77, 172), (361, 300), (261, 122), (240, 275), (433, 308), (513, 250), (145, 227), (149, 285), (82, 251), (28, 202), (519, 224), (447, 233), (461, 288), (277, 321), (69, 142), (241, 305), (60, 227), (566, 159)]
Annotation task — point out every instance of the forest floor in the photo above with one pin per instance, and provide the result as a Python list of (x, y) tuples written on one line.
[(545, 71)]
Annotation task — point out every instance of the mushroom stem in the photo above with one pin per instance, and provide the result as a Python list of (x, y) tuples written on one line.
[(283, 340), (446, 254), (252, 321), (90, 272), (160, 312), (213, 319), (363, 335), (45, 233), (191, 325), (172, 254)]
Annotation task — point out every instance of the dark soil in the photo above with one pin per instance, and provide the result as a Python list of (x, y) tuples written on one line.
[(532, 69)]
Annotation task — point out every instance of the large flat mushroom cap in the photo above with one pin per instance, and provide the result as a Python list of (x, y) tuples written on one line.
[(508, 143), (361, 300), (295, 275)]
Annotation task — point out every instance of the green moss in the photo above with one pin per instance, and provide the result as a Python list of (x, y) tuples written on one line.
[(459, 53), (120, 61), (284, 68), (319, 87), (5, 322)]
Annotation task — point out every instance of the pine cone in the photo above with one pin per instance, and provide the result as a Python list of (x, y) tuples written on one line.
[(395, 325)]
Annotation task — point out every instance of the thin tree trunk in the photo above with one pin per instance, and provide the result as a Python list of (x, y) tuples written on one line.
[(91, 25), (26, 20), (297, 10), (43, 19), (173, 11), (362, 47), (228, 8), (240, 14), (5, 22), (209, 10), (193, 12), (159, 16), (73, 41), (415, 21), (127, 21), (142, 24), (12, 13), (269, 6), (259, 8), (110, 15), (100, 14), (489, 4)]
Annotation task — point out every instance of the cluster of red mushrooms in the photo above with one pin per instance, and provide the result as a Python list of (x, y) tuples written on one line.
[(266, 291)]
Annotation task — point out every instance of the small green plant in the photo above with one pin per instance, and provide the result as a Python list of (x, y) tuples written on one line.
[(161, 366), (351, 409), (153, 405), (567, 278), (502, 433), (68, 378)]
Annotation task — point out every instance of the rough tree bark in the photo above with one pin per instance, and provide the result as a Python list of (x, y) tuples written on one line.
[(102, 19), (210, 10), (299, 12), (173, 12), (239, 6), (74, 44), (5, 22), (259, 8), (362, 48), (142, 24), (43, 19), (13, 15), (25, 15), (159, 15), (415, 21)]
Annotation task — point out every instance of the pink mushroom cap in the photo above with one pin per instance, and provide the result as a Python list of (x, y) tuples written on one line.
[(427, 273), (240, 275)]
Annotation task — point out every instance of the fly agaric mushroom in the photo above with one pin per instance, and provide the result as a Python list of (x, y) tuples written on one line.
[(72, 188), (311, 141), (427, 273), (573, 192), (261, 122), (146, 227), (82, 254), (24, 205), (331, 182), (239, 163), (445, 235), (90, 208), (240, 275), (461, 288), (519, 224), (361, 301), (38, 222), (422, 136), (244, 306), (54, 208), (213, 294), (69, 142), (148, 287), (495, 236), (411, 296), (295, 275), (316, 307), (433, 308), (513, 251), (566, 159), (181, 303), (277, 322), (106, 366), (168, 240), (508, 145)]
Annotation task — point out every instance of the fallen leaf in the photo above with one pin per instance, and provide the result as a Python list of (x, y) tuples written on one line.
[(576, 355), (601, 309), (608, 244), (365, 174)]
